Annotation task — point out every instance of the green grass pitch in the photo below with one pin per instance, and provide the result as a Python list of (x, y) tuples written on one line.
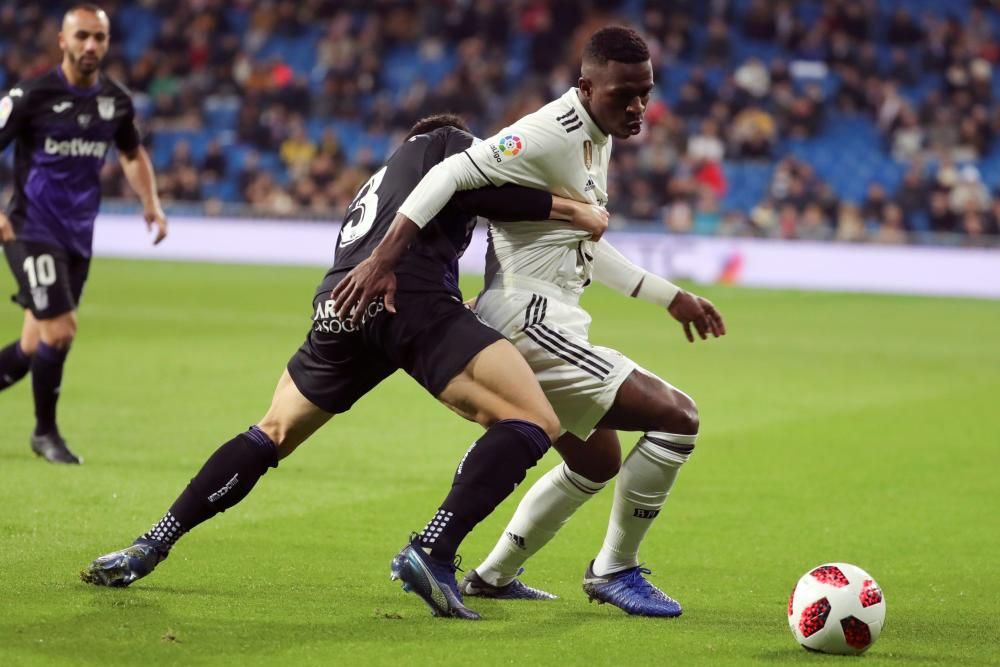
[(834, 427)]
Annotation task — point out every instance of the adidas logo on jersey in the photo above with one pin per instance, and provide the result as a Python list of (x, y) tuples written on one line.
[(590, 185), (76, 147)]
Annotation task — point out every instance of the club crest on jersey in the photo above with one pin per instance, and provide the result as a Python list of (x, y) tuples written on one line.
[(83, 119), (588, 153), (507, 147), (106, 107)]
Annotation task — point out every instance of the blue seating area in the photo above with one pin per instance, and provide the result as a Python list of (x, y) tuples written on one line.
[(849, 153)]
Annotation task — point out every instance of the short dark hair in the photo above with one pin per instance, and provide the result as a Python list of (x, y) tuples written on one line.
[(431, 123), (618, 43)]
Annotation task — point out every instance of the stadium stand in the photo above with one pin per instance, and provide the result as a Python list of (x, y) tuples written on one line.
[(848, 120)]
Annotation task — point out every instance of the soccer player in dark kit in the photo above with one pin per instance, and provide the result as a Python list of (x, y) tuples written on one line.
[(63, 124), (426, 331)]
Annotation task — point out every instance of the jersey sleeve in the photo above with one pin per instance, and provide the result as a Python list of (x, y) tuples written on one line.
[(519, 155), (13, 114), (127, 135)]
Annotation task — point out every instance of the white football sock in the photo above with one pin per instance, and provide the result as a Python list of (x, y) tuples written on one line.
[(547, 505), (645, 480)]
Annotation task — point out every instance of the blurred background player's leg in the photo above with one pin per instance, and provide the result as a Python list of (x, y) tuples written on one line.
[(50, 284), (55, 336), (15, 358)]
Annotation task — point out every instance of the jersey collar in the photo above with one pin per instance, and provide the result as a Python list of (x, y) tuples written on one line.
[(596, 135), (92, 90)]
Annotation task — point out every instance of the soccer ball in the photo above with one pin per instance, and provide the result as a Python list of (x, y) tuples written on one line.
[(836, 608)]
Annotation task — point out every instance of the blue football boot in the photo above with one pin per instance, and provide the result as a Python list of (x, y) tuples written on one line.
[(118, 569), (475, 586), (629, 591), (433, 580)]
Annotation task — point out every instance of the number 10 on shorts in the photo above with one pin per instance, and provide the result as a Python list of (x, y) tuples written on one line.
[(41, 270)]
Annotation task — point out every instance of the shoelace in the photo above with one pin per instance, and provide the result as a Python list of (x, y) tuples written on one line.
[(636, 582)]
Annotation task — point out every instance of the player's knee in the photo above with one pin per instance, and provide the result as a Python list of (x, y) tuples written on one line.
[(280, 434), (59, 332), (680, 415), (542, 416), (29, 345), (60, 339), (548, 422)]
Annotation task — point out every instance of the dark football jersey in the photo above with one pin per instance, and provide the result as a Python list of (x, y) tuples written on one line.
[(62, 135), (431, 262)]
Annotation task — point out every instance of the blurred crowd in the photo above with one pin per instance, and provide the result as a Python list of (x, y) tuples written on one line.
[(925, 81), (953, 201)]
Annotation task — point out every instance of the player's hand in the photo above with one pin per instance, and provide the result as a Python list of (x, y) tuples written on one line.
[(155, 217), (689, 310), (364, 283), (6, 229), (590, 218)]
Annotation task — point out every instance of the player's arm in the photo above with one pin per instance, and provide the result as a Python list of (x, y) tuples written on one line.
[(138, 170), (514, 203), (482, 164), (375, 277), (613, 269), (139, 173), (13, 111)]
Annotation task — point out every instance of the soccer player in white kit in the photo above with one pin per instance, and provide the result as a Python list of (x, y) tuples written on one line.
[(534, 278)]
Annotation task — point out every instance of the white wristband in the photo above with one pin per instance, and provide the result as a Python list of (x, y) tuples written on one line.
[(657, 290)]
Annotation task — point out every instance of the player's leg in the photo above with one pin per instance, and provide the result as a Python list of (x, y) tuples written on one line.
[(50, 283), (325, 376), (226, 478), (498, 390), (473, 370), (15, 359), (580, 382), (231, 472), (669, 421), (55, 336), (586, 467)]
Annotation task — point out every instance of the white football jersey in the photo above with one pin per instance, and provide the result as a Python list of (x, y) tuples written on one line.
[(558, 148), (561, 149)]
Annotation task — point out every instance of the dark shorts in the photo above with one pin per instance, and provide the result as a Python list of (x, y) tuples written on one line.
[(50, 280), (432, 337)]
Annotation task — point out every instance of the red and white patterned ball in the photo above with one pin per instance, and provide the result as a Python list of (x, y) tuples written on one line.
[(836, 608)]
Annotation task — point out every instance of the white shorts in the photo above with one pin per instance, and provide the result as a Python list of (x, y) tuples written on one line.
[(579, 379)]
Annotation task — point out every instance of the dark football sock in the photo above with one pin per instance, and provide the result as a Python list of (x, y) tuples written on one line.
[(14, 364), (46, 377), (225, 479), (489, 472)]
